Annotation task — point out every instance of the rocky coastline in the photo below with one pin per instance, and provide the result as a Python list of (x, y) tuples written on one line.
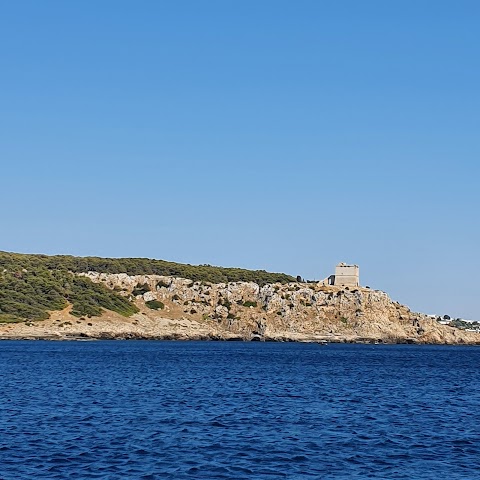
[(173, 308)]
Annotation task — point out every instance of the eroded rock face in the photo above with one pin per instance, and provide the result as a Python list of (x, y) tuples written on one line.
[(294, 311)]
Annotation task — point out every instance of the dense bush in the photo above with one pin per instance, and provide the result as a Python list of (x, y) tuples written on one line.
[(33, 285), (90, 298), (141, 266), (29, 290), (140, 289), (155, 305)]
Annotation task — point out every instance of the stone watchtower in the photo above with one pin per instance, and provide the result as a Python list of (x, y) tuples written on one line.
[(347, 275)]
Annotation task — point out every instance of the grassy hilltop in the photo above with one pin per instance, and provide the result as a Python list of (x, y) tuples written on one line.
[(33, 285)]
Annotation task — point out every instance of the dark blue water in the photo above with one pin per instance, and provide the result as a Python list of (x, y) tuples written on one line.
[(208, 410)]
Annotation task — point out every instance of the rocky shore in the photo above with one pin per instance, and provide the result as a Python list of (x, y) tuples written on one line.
[(179, 309)]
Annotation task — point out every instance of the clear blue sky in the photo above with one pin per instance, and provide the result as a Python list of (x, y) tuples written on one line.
[(278, 135)]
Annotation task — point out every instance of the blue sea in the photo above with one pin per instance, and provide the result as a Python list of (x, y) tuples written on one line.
[(234, 410)]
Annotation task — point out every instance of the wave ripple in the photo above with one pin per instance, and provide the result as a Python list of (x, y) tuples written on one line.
[(208, 410)]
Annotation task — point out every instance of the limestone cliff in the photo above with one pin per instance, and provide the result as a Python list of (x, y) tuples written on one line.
[(282, 312)]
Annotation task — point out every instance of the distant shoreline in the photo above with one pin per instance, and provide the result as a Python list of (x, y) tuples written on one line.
[(172, 338), (62, 298)]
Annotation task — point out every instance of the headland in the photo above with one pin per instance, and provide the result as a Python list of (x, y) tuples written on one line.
[(45, 297)]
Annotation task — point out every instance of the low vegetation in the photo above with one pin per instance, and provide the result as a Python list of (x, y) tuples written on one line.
[(28, 291), (140, 289), (33, 285), (141, 266), (155, 305), (464, 325)]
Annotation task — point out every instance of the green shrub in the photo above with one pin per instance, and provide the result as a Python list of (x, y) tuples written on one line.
[(140, 266), (33, 285), (6, 318), (140, 289), (226, 303), (29, 292), (248, 303), (155, 305)]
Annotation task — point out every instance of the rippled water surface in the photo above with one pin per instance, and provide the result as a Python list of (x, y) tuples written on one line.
[(147, 410)]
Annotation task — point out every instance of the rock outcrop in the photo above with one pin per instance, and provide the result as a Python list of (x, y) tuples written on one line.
[(183, 309)]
